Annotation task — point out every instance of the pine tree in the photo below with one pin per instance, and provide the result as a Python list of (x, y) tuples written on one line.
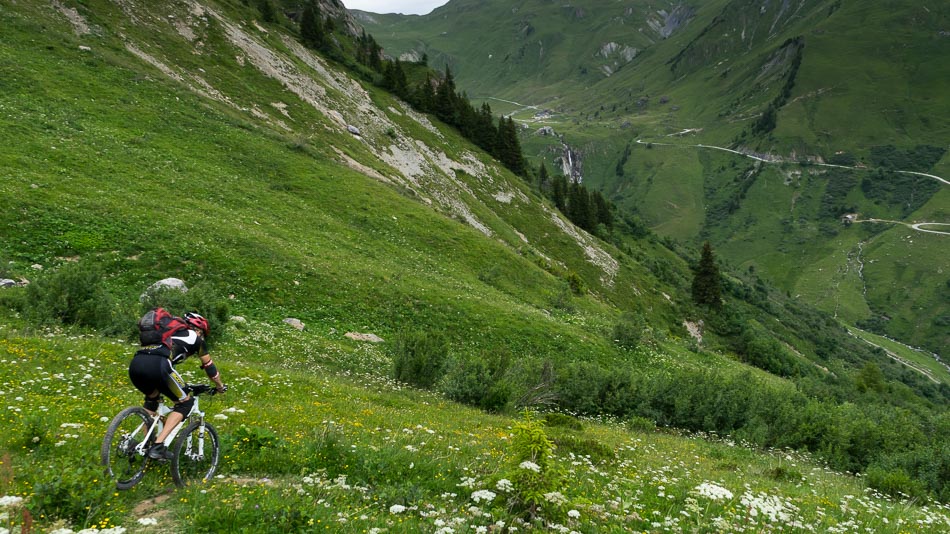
[(311, 28), (267, 11), (707, 284), (559, 193), (445, 99), (508, 148), (544, 179)]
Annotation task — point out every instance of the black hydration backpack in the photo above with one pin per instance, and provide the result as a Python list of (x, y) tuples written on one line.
[(157, 326)]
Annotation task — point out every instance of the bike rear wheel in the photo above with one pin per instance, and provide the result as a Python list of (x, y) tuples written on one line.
[(197, 453), (121, 455)]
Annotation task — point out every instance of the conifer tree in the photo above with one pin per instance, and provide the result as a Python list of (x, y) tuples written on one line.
[(544, 180), (559, 193), (311, 26), (445, 99), (707, 284), (601, 209), (508, 148), (268, 13)]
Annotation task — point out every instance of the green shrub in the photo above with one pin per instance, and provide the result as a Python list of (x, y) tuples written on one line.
[(419, 357), (555, 419), (76, 493), (895, 482), (579, 385), (580, 446), (13, 298), (783, 473), (478, 380), (253, 438), (641, 424), (629, 330), (576, 283), (74, 294), (533, 474)]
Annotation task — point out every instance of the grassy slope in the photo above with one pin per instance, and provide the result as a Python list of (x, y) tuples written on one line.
[(107, 160), (329, 412)]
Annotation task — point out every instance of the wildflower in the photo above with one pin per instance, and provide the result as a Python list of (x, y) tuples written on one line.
[(10, 500), (147, 521), (397, 509), (530, 466), (483, 495), (504, 485), (713, 491), (555, 497), (573, 514)]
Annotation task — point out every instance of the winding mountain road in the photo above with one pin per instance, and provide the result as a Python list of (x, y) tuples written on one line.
[(777, 159)]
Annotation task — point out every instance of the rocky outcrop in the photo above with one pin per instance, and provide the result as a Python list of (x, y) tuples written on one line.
[(665, 23), (571, 164)]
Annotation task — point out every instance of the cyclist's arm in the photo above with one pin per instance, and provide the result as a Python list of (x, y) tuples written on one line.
[(211, 370)]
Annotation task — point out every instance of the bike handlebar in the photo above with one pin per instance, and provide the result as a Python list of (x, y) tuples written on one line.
[(202, 389)]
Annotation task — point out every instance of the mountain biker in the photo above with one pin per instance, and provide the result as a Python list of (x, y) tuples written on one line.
[(152, 372)]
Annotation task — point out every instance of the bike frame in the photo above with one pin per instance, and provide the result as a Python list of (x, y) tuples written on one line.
[(158, 423)]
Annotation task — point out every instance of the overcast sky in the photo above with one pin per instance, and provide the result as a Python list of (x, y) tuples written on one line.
[(408, 7)]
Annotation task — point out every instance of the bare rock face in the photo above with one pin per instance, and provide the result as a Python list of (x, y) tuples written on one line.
[(667, 22)]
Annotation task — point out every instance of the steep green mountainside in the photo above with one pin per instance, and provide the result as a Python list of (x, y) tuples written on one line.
[(856, 84), (141, 140)]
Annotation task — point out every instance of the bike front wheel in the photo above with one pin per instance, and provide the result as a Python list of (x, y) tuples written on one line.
[(197, 453), (123, 452)]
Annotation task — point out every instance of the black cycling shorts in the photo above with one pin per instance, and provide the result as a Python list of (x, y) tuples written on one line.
[(152, 371)]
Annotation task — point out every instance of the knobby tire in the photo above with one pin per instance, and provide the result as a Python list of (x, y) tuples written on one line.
[(122, 462), (196, 456)]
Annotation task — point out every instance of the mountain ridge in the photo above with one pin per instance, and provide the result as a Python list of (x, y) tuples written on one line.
[(814, 82)]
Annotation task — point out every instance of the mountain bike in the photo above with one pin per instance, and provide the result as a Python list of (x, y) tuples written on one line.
[(197, 450)]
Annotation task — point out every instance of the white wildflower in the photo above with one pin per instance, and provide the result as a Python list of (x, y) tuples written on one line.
[(713, 491), (573, 514), (397, 509), (555, 497), (483, 495), (530, 466), (148, 521), (504, 485), (10, 500)]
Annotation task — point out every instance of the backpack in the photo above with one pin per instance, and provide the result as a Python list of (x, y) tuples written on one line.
[(157, 326)]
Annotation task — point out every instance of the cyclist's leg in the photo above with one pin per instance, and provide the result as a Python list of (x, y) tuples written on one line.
[(146, 372), (173, 387)]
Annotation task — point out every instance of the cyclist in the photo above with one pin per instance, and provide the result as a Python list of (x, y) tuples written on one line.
[(152, 372)]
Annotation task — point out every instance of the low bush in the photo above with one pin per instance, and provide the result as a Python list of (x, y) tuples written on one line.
[(74, 294), (478, 380), (419, 358)]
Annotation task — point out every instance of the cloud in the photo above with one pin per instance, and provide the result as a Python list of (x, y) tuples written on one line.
[(408, 7)]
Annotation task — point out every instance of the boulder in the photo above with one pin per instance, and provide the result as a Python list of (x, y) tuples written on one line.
[(165, 283), (296, 323), (356, 336)]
